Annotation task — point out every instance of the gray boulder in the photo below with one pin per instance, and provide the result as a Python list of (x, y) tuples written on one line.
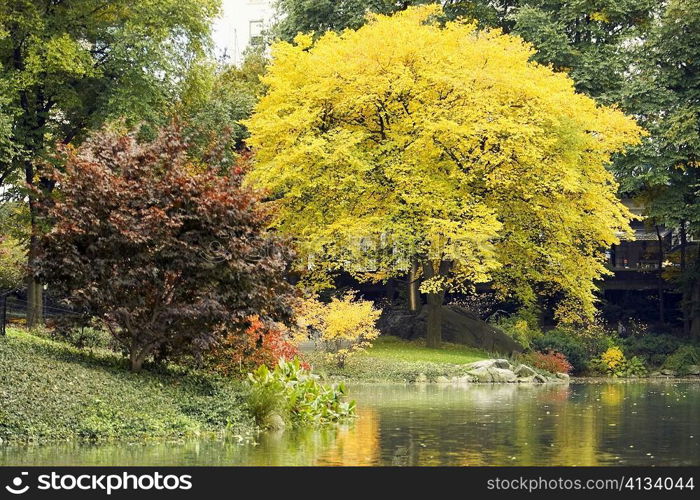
[(459, 326), (524, 371), (563, 376), (274, 422), (504, 364), (464, 379), (493, 375), (421, 378), (539, 379), (692, 369), (668, 373)]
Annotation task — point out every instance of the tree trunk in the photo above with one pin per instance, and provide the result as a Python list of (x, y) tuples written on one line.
[(30, 136), (660, 278), (414, 302), (31, 129), (685, 299), (137, 357), (136, 364), (35, 295), (433, 335), (695, 312), (35, 303)]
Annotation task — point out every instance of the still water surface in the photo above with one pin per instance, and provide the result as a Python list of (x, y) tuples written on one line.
[(646, 423)]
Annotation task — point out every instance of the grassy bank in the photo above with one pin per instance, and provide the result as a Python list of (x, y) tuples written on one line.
[(391, 359), (52, 391)]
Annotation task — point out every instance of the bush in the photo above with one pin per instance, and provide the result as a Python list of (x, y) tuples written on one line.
[(551, 361), (81, 332), (559, 341), (168, 255), (681, 358), (343, 327), (654, 349), (259, 344), (614, 363), (634, 367), (612, 359), (519, 329), (293, 394), (89, 337), (579, 345)]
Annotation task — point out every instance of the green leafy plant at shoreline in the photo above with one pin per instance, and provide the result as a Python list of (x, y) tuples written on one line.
[(292, 394), (634, 367)]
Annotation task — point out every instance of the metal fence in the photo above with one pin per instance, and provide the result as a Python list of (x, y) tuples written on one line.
[(13, 309)]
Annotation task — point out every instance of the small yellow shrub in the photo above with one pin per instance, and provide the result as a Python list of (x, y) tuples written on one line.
[(613, 359), (344, 326)]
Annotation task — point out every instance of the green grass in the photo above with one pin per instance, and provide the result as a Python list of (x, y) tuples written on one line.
[(391, 359), (52, 391), (394, 348)]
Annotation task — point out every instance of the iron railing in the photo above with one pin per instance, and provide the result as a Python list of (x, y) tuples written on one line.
[(13, 308)]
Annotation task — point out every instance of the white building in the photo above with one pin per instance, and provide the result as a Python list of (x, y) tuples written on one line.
[(241, 24)]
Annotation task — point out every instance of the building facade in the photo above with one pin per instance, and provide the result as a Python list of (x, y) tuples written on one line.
[(241, 25)]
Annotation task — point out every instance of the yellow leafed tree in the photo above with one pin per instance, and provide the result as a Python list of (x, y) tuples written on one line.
[(345, 326), (410, 144)]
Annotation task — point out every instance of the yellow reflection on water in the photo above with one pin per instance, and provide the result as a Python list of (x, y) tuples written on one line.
[(356, 444)]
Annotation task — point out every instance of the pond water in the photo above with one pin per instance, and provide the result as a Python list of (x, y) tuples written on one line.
[(645, 423)]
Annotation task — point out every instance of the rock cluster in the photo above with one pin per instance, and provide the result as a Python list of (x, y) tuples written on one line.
[(497, 371), (692, 369), (685, 371)]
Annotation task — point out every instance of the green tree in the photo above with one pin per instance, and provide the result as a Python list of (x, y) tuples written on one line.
[(215, 100), (319, 16), (586, 38), (12, 262), (14, 234), (70, 66), (664, 170)]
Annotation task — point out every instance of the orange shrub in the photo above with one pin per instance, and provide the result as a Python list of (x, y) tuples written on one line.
[(551, 361), (259, 344)]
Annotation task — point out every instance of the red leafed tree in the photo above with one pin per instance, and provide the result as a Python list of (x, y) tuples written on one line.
[(170, 255)]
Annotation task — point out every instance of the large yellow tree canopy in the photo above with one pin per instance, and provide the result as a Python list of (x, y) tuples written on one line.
[(443, 143)]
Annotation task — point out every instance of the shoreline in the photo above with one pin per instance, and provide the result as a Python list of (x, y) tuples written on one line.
[(368, 368)]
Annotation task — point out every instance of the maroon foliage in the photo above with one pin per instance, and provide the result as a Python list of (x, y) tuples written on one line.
[(169, 255)]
